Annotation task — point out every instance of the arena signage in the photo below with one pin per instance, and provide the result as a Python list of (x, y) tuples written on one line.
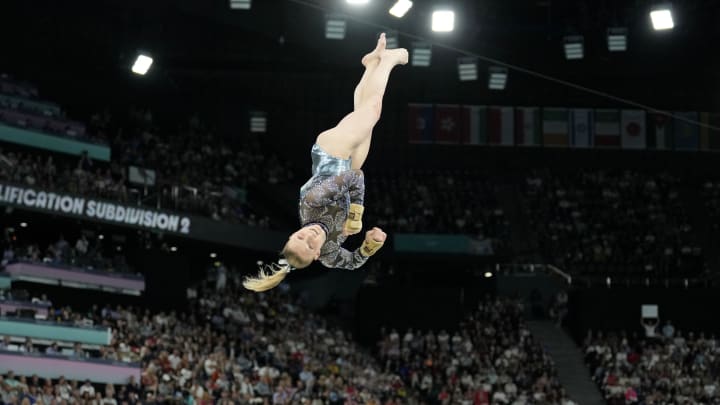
[(110, 212), (94, 209)]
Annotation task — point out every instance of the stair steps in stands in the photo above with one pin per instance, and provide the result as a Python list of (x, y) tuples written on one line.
[(569, 362)]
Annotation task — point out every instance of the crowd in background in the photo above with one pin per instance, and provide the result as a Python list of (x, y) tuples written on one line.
[(430, 201), (21, 107), (186, 166), (89, 253), (491, 359), (604, 221), (585, 221), (665, 366), (82, 176), (233, 347), (195, 168)]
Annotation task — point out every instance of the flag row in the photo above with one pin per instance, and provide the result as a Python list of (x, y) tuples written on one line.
[(562, 127)]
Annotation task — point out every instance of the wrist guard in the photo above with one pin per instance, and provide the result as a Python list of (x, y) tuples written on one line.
[(370, 247), (353, 223)]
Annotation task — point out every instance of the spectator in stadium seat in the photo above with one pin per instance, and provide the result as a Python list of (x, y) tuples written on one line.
[(668, 330), (87, 390), (650, 327), (85, 163)]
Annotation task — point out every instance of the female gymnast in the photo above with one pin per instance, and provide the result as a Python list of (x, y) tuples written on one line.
[(331, 202)]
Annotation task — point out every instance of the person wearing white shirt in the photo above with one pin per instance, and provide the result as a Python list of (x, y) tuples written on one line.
[(87, 388)]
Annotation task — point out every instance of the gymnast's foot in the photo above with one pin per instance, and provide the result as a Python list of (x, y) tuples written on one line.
[(397, 56), (375, 54)]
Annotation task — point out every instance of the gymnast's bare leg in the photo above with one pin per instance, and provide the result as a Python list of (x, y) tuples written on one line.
[(352, 135)]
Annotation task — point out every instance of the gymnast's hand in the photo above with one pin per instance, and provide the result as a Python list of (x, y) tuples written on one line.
[(376, 234), (374, 240)]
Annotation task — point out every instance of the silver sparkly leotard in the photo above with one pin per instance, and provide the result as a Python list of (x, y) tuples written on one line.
[(325, 200)]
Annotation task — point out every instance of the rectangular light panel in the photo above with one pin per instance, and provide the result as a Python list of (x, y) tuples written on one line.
[(142, 64), (335, 28), (400, 8), (662, 19), (240, 4), (443, 20), (421, 54)]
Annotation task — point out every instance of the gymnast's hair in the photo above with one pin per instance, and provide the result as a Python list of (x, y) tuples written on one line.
[(271, 275)]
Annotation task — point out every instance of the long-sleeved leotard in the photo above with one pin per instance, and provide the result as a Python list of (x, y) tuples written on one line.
[(325, 200)]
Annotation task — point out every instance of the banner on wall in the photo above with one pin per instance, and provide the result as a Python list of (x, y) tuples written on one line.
[(113, 213), (581, 120), (562, 127), (555, 126), (633, 129), (528, 129), (93, 209)]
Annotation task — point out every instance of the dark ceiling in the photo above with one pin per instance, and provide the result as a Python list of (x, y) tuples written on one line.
[(56, 43)]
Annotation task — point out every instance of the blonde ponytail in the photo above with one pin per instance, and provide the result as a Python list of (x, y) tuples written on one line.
[(269, 277)]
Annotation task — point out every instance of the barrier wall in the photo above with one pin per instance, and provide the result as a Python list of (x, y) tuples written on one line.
[(54, 143), (54, 331), (76, 277), (53, 367)]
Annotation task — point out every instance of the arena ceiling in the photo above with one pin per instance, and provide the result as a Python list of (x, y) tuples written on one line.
[(61, 40)]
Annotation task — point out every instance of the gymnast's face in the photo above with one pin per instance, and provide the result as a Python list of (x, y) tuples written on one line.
[(307, 242)]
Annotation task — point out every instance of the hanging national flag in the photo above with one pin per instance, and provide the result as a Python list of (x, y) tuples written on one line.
[(473, 129), (420, 123), (660, 131), (633, 129), (447, 123), (687, 131), (581, 127), (709, 136), (528, 128), (555, 126), (607, 128), (501, 126)]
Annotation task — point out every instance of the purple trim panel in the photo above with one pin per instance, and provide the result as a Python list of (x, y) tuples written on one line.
[(13, 306), (78, 276), (56, 366)]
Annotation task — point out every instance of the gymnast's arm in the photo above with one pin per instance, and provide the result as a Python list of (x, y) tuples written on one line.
[(341, 258), (355, 182)]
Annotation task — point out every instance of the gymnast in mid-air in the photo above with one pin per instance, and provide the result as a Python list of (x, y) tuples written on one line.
[(331, 202)]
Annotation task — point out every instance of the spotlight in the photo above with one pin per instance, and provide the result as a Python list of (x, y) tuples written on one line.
[(142, 64), (400, 8), (357, 2), (497, 78), (118, 248), (488, 274), (101, 236), (258, 122), (240, 4), (574, 47), (662, 18), (421, 54), (213, 255), (617, 39), (467, 69), (23, 224), (335, 27), (392, 39), (443, 20), (173, 248)]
